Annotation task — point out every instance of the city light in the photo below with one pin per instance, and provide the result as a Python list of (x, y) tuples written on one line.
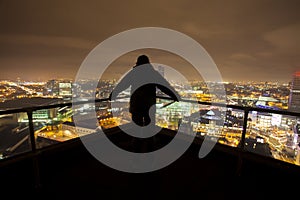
[(277, 133)]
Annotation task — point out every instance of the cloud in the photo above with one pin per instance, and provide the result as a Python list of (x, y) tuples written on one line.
[(205, 32), (285, 38), (48, 41), (242, 57)]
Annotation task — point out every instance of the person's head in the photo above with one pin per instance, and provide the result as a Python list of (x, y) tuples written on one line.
[(142, 59)]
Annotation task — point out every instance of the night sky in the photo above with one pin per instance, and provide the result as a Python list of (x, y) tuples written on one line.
[(253, 40)]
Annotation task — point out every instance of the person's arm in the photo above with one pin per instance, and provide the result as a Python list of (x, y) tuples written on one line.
[(121, 86), (166, 88), (170, 91)]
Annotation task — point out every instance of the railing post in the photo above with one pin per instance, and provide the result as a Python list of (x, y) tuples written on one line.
[(31, 131), (245, 123), (242, 143), (36, 167)]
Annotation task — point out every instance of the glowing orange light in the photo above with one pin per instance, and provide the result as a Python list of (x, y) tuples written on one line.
[(297, 74)]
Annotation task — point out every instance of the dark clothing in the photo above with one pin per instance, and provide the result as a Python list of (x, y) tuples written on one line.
[(142, 118), (144, 80)]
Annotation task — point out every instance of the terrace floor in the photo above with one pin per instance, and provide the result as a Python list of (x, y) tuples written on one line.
[(68, 170)]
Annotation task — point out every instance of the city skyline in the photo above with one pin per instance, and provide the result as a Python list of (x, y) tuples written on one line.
[(248, 40)]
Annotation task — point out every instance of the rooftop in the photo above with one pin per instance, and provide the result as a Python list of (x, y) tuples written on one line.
[(68, 170)]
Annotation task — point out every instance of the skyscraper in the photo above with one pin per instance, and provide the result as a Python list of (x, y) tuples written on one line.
[(294, 99)]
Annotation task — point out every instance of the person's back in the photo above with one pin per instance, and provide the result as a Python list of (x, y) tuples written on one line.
[(143, 98), (144, 80)]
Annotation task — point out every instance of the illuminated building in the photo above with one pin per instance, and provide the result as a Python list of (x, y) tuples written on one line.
[(61, 88), (85, 129), (204, 97), (43, 115), (294, 99), (172, 113), (298, 155), (65, 89), (51, 88), (267, 102)]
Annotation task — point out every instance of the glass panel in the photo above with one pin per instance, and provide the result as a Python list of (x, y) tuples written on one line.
[(233, 127), (62, 123), (112, 114), (274, 135), (224, 125), (14, 135), (170, 114), (53, 125)]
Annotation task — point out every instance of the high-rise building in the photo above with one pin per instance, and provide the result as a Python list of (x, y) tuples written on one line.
[(294, 99), (62, 88), (51, 88), (65, 89)]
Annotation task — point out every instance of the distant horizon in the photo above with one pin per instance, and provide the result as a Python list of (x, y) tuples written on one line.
[(72, 79)]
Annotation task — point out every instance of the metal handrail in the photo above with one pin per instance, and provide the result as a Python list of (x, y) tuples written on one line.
[(30, 110)]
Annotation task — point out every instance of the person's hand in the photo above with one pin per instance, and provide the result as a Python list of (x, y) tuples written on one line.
[(177, 98), (109, 97)]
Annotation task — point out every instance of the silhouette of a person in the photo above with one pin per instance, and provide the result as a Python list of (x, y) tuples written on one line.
[(144, 81)]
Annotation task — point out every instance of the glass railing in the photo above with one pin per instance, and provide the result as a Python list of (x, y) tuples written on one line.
[(217, 122), (14, 134), (273, 134), (270, 133)]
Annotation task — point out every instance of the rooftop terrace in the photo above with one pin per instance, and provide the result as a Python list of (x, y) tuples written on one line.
[(67, 170)]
